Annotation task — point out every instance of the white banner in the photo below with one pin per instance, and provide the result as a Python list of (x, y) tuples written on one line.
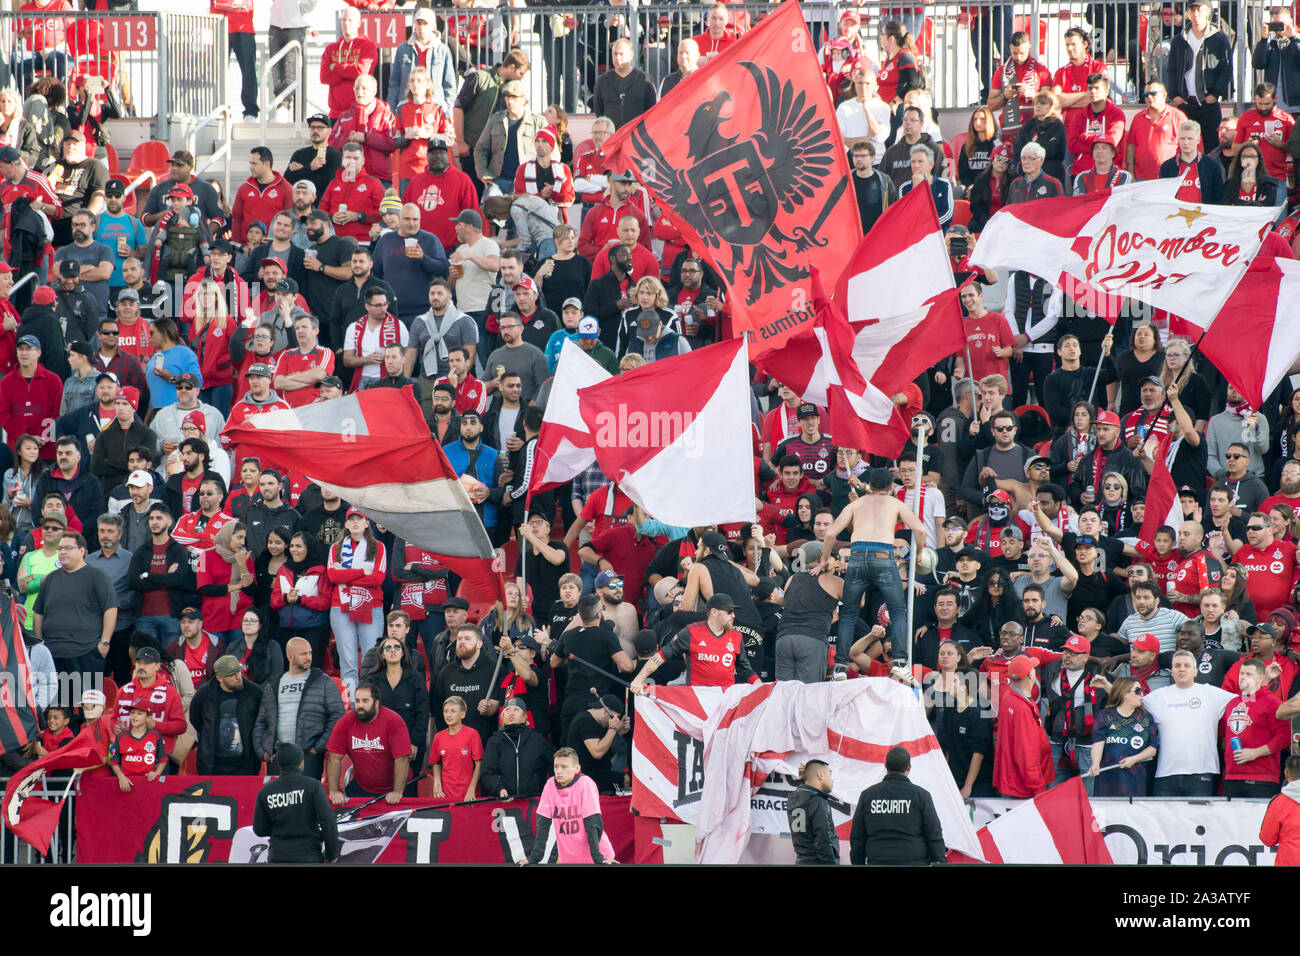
[(1166, 832)]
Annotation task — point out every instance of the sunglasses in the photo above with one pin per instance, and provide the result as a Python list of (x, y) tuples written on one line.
[(1255, 527), (1109, 486), (108, 331), (392, 647), (1235, 455), (1004, 428), (185, 388)]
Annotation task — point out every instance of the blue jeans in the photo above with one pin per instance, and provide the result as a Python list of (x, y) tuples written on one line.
[(352, 639), (164, 627), (1082, 760), (218, 397), (588, 574), (872, 569)]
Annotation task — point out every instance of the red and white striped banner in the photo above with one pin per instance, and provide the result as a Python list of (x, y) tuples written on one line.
[(724, 759)]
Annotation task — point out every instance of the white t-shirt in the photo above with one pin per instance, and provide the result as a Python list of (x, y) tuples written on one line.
[(472, 287), (1189, 727), (370, 343), (853, 124), (1190, 77)]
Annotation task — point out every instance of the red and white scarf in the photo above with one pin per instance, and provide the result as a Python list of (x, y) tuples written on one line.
[(1241, 409), (390, 333)]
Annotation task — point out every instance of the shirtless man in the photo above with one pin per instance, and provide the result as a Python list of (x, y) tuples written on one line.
[(871, 566)]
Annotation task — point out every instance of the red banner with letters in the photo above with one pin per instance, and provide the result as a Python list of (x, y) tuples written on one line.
[(209, 820)]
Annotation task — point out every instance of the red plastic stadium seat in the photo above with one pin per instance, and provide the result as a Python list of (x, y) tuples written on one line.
[(1022, 23), (480, 600), (957, 142), (152, 156), (961, 212)]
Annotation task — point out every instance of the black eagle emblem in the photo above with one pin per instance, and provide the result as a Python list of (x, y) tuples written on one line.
[(735, 188)]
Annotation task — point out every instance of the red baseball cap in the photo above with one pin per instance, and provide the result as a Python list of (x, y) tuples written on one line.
[(43, 296), (1021, 667), (1003, 149), (354, 511), (180, 189), (1079, 644), (1145, 642), (6, 267), (1107, 417), (526, 283), (274, 261)]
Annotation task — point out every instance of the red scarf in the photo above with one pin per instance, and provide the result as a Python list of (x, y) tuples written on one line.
[(1241, 409), (390, 333), (1145, 674)]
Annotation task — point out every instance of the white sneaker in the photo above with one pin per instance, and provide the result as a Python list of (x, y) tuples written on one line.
[(840, 672)]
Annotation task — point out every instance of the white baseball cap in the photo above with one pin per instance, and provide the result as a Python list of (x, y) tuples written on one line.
[(588, 327), (140, 479)]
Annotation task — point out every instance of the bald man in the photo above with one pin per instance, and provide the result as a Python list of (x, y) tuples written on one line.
[(301, 708), (409, 258)]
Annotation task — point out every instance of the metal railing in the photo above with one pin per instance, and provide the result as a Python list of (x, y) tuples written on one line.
[(62, 848), (225, 114), (958, 42), (266, 83)]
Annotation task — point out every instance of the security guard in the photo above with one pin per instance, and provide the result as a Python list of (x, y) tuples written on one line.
[(295, 812), (812, 829), (895, 822)]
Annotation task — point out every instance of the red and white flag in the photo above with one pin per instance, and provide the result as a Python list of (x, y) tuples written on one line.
[(817, 364), (1259, 338), (900, 297), (1057, 826), (1162, 506), (565, 448), (373, 449), (1138, 241), (34, 819), (676, 435), (753, 739)]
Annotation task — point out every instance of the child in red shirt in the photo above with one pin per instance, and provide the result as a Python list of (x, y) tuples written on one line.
[(56, 733), (456, 755), (138, 751)]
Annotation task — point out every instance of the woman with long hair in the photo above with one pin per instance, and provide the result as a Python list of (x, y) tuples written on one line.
[(559, 120), (1142, 358), (1239, 606), (16, 130), (898, 71), (798, 524), (1249, 183), (964, 733), (419, 117), (20, 481), (989, 190), (1113, 506), (1280, 442), (977, 151), (170, 360), (357, 567), (211, 330), (564, 274), (649, 295), (262, 657), (1070, 450), (995, 604), (1124, 737), (267, 564), (225, 580), (1193, 390), (403, 691), (1283, 523), (300, 595), (511, 618)]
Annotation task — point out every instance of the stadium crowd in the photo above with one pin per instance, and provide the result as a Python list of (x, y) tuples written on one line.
[(446, 234)]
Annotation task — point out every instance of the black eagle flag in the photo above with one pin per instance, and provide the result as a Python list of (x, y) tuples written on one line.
[(746, 159), (18, 720)]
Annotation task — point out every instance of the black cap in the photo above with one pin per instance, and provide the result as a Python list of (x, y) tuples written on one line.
[(191, 612), (806, 409), (148, 655), (612, 703), (223, 245), (714, 541), (455, 602), (323, 118), (82, 348), (70, 268), (721, 602), (969, 552), (115, 187), (645, 642), (528, 641), (287, 285), (1263, 627), (9, 154), (186, 378), (333, 381)]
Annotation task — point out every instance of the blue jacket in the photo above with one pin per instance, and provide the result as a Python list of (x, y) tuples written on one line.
[(409, 277), (442, 69), (485, 470)]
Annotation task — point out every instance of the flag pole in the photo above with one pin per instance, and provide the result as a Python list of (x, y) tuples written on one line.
[(1182, 372), (911, 552), (1096, 373)]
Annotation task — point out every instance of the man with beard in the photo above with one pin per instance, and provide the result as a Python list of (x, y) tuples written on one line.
[(469, 677), (1211, 664), (1110, 455), (442, 194), (1288, 482), (1149, 617), (376, 740), (327, 262), (317, 161), (1268, 127), (695, 304), (621, 615), (609, 295), (1040, 630), (350, 297), (714, 573), (94, 258), (711, 649), (1011, 645)]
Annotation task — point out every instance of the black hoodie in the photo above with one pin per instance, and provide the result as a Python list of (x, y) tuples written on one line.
[(40, 321)]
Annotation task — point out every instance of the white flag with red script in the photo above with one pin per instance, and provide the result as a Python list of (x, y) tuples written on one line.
[(1138, 241), (676, 435)]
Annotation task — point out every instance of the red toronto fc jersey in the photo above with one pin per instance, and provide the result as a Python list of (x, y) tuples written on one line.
[(133, 339), (710, 658), (1270, 574), (1190, 174), (294, 360), (197, 658), (1193, 576), (138, 757)]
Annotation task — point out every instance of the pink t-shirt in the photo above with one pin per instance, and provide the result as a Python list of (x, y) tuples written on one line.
[(566, 808)]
